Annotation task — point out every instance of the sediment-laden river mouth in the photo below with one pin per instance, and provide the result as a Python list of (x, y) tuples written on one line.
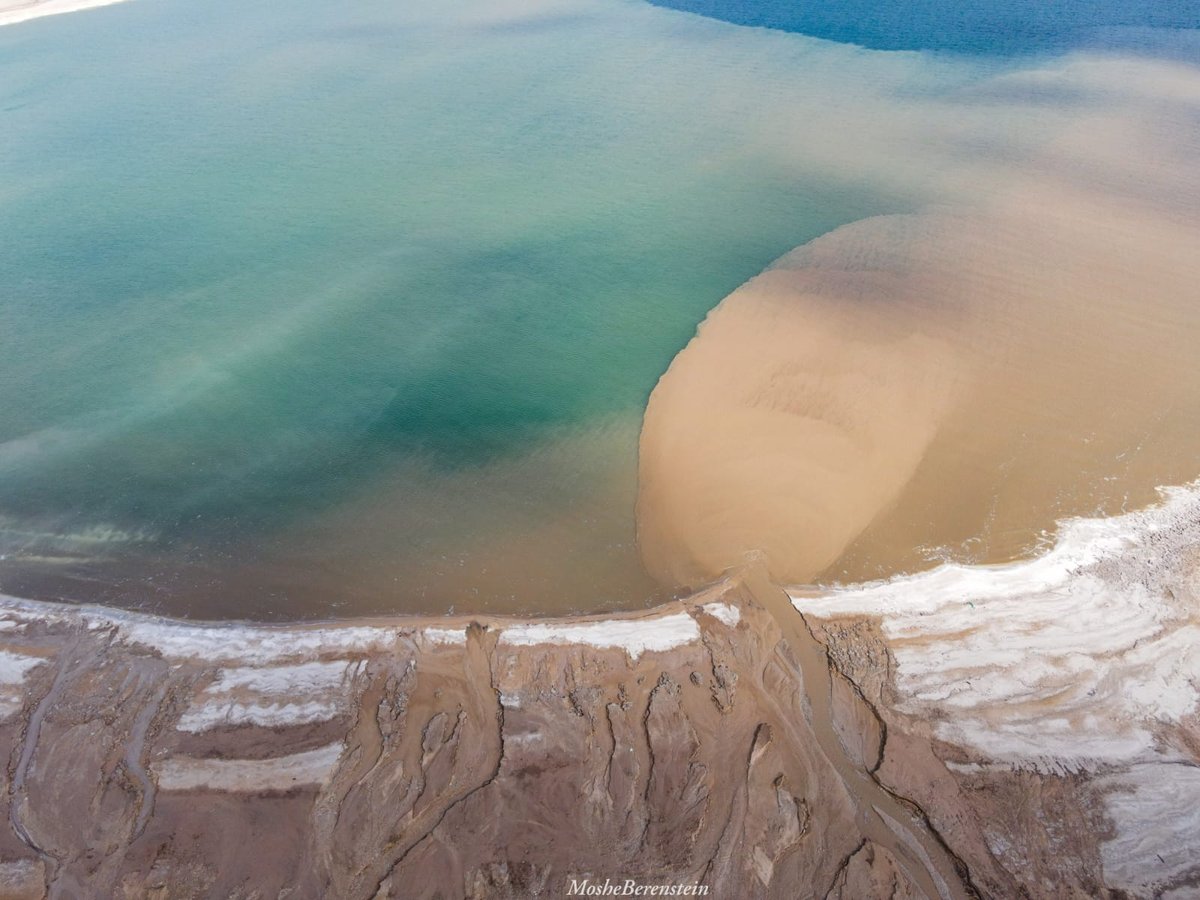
[(479, 450)]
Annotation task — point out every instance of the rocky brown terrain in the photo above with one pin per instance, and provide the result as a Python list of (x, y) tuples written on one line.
[(725, 741)]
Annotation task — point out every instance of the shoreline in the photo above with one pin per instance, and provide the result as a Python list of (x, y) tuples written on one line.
[(1076, 542), (251, 721), (16, 13), (1066, 688), (1030, 728)]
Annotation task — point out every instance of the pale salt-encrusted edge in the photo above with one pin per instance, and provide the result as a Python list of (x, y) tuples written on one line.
[(37, 10), (634, 636), (1059, 662), (280, 773)]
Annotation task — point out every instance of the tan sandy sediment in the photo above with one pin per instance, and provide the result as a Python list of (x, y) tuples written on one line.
[(958, 378)]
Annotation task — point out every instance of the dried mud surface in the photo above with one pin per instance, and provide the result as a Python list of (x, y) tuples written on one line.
[(755, 751)]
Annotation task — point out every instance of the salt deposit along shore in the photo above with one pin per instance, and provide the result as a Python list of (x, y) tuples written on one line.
[(13, 12), (1021, 730)]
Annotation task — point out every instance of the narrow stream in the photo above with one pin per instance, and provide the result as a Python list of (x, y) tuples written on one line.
[(884, 820)]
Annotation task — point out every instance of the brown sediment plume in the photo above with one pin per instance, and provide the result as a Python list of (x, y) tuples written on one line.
[(803, 405), (954, 380)]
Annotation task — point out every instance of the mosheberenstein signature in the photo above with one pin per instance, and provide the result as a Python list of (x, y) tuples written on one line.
[(631, 887)]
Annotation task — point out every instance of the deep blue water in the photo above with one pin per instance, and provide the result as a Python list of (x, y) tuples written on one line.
[(982, 27)]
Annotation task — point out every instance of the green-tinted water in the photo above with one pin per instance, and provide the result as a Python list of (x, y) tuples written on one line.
[(265, 269)]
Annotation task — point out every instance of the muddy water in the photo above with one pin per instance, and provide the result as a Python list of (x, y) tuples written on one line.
[(1080, 394), (946, 384)]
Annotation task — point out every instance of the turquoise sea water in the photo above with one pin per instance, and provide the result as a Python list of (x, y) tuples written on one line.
[(309, 309)]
